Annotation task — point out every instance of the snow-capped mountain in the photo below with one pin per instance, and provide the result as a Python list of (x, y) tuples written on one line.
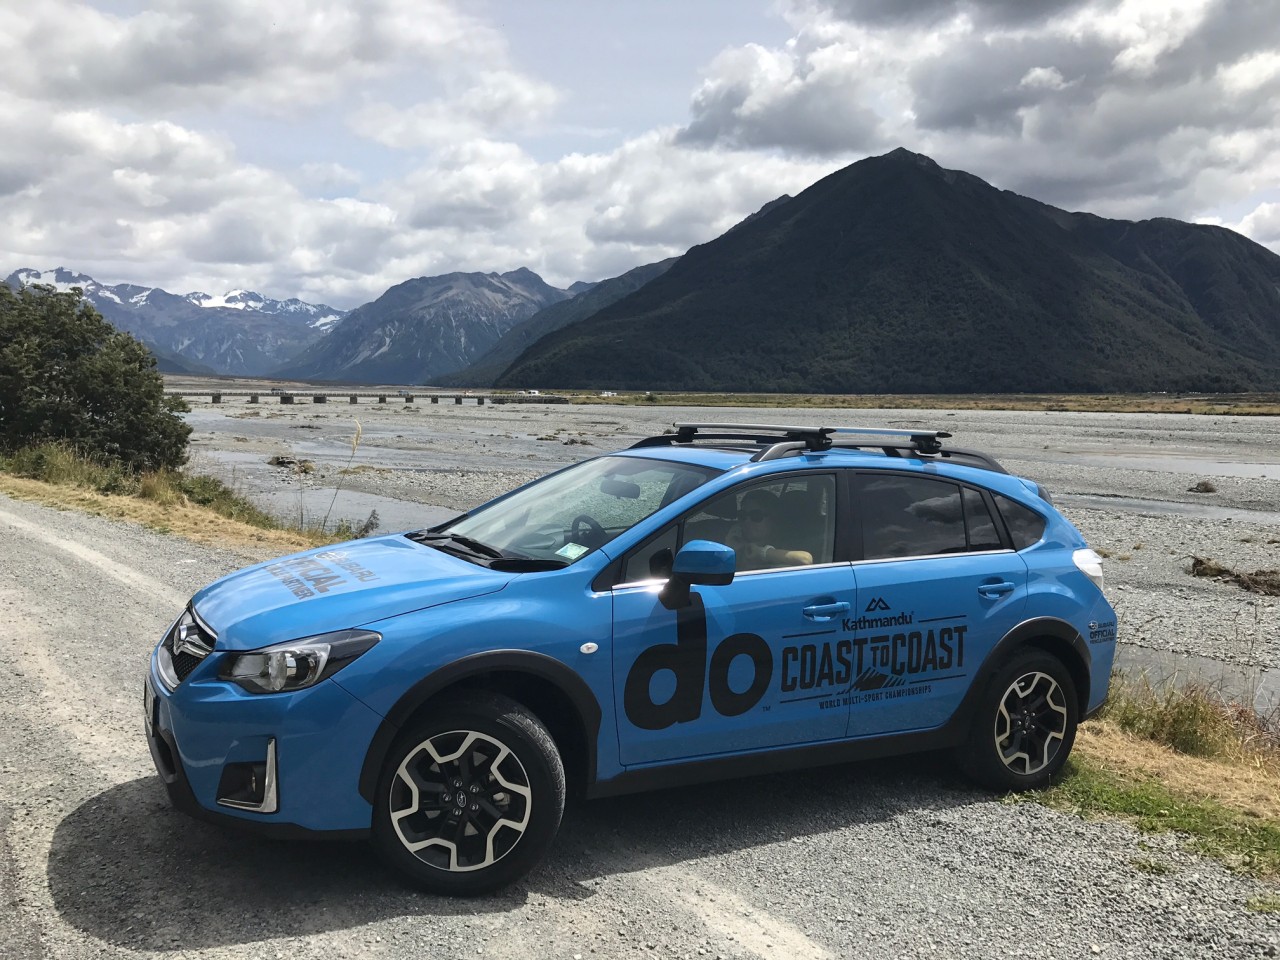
[(318, 315), (240, 332)]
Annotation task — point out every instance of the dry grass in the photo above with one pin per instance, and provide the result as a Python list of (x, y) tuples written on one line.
[(1193, 719), (1250, 786), (194, 522)]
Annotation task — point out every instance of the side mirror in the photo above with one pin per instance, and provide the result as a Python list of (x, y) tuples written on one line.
[(699, 561)]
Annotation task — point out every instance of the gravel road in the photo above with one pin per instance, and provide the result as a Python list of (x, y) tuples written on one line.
[(892, 859)]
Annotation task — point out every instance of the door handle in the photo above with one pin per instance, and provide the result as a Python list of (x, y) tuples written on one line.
[(994, 591), (826, 611)]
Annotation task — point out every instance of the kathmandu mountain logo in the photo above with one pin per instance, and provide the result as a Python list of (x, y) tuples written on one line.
[(877, 604)]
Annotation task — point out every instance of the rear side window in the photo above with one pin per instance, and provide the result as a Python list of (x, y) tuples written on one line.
[(1025, 526), (982, 529), (910, 517)]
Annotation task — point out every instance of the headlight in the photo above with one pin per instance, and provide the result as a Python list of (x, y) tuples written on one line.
[(298, 663)]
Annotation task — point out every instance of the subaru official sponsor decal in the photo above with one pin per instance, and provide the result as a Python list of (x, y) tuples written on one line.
[(307, 576), (1103, 632)]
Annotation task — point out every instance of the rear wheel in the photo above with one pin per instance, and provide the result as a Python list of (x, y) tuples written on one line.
[(1024, 725), (471, 797)]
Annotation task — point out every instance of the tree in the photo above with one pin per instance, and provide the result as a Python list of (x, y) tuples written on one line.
[(66, 375)]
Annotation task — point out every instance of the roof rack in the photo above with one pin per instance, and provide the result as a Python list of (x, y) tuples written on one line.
[(777, 441)]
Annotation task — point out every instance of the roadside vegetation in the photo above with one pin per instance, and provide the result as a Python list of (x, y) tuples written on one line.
[(67, 376), (1180, 759), (201, 508), (85, 423)]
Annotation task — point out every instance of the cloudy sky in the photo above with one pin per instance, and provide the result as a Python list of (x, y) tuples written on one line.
[(328, 149)]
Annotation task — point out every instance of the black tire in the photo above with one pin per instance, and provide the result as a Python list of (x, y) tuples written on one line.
[(497, 756), (1023, 746)]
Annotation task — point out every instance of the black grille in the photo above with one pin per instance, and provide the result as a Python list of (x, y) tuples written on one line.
[(186, 661)]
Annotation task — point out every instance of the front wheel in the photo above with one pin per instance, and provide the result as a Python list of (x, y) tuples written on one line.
[(1024, 725), (470, 798)]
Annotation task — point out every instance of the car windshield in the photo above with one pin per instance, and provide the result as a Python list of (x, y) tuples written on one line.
[(567, 515)]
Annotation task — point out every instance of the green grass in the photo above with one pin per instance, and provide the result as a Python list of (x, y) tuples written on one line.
[(1194, 720), (1268, 903), (1152, 867), (1244, 843)]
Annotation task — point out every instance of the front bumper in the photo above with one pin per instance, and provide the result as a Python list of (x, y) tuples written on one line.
[(311, 745)]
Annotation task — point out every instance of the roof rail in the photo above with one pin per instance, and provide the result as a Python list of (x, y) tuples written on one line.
[(777, 441), (814, 438)]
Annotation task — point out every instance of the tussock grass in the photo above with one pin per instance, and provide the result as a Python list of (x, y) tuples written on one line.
[(1193, 719), (199, 507)]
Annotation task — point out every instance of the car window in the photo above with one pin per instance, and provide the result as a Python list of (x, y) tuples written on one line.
[(910, 516), (1026, 527), (570, 513), (977, 519), (770, 524)]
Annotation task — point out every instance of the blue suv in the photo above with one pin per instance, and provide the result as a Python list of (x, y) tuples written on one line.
[(720, 600)]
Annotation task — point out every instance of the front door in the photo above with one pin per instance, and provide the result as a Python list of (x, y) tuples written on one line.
[(747, 666)]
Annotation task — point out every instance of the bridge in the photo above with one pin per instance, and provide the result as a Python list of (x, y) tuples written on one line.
[(324, 396)]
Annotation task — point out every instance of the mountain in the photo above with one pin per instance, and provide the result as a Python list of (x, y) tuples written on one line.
[(240, 332), (895, 275), (592, 298), (426, 327)]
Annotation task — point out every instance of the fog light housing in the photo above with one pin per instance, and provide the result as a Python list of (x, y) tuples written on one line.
[(250, 786)]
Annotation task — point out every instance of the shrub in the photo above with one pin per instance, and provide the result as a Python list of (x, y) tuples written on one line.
[(67, 376)]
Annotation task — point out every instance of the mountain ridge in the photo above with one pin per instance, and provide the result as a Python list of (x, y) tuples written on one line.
[(897, 275), (437, 324), (239, 332)]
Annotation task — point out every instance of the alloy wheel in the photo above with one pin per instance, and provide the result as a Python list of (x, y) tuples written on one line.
[(460, 801), (1031, 723)]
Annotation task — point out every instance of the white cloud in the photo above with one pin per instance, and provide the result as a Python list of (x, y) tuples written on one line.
[(1262, 225), (177, 52), (812, 95), (494, 101), (1042, 78), (123, 160)]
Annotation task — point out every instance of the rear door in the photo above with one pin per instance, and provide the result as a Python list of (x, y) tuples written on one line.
[(937, 588)]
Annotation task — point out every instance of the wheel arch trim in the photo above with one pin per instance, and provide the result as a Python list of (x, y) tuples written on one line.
[(538, 665), (1024, 636)]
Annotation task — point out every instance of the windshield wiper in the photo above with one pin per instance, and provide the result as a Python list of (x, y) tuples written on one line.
[(472, 545)]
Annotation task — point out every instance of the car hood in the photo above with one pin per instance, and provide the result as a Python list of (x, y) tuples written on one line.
[(335, 588)]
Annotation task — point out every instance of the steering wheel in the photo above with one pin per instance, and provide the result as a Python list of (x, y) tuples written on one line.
[(587, 531)]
